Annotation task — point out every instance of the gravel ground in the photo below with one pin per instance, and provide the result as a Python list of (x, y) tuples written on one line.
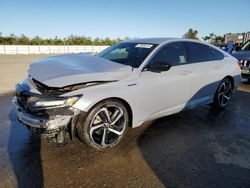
[(195, 148)]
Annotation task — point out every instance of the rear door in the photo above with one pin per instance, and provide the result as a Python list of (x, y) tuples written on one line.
[(207, 66)]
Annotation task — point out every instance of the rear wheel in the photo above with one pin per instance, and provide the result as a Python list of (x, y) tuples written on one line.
[(105, 125), (223, 94)]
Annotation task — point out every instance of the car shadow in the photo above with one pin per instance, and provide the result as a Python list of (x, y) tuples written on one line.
[(23, 151), (202, 147), (25, 154), (194, 148)]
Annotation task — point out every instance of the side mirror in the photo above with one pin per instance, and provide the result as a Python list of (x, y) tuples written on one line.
[(158, 66)]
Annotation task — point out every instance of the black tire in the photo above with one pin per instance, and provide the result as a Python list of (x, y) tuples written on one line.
[(223, 94), (98, 113)]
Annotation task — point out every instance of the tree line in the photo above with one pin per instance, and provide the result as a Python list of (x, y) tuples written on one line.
[(12, 39), (211, 38)]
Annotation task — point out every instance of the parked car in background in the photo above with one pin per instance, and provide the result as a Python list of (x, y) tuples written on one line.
[(99, 97), (243, 55)]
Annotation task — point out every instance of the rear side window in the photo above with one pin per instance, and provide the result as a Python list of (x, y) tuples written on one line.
[(199, 52), (173, 53), (217, 54)]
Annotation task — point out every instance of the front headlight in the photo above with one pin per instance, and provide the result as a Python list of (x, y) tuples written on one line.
[(39, 104), (49, 103)]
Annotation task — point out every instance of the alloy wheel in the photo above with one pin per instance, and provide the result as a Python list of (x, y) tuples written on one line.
[(224, 93), (107, 126)]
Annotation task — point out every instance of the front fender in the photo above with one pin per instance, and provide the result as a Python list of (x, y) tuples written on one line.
[(93, 95)]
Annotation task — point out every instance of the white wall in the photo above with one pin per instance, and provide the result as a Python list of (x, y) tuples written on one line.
[(46, 49)]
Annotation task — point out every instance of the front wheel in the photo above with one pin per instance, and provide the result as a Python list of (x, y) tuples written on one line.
[(104, 125), (223, 94)]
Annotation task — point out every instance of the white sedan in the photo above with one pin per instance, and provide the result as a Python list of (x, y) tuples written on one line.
[(99, 97)]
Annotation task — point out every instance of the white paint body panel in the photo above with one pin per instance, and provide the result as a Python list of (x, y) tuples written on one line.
[(59, 71), (151, 95)]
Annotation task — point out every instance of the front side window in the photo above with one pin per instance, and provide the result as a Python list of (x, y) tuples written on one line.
[(199, 52), (132, 54), (173, 54)]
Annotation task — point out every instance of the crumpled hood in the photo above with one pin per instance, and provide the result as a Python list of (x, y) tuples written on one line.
[(64, 70), (242, 55)]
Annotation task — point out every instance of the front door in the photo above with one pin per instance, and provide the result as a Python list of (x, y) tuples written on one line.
[(167, 91)]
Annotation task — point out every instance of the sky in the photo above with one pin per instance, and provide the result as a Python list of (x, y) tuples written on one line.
[(121, 18)]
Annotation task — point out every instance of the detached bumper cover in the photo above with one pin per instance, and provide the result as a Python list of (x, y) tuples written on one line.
[(48, 123)]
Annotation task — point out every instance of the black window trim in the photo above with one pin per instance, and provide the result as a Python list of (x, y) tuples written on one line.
[(189, 58), (210, 47), (161, 47), (187, 54), (214, 54)]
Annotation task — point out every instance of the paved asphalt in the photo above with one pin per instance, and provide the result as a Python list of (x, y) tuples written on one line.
[(195, 148)]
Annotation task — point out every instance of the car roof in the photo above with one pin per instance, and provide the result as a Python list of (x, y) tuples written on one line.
[(161, 40), (150, 40)]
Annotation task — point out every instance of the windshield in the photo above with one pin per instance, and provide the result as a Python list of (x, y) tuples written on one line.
[(132, 54), (246, 46)]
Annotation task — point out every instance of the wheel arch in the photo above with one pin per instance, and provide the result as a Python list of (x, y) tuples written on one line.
[(231, 79), (216, 104), (124, 102)]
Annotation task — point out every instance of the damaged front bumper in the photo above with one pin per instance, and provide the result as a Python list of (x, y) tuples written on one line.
[(46, 123), (52, 115)]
